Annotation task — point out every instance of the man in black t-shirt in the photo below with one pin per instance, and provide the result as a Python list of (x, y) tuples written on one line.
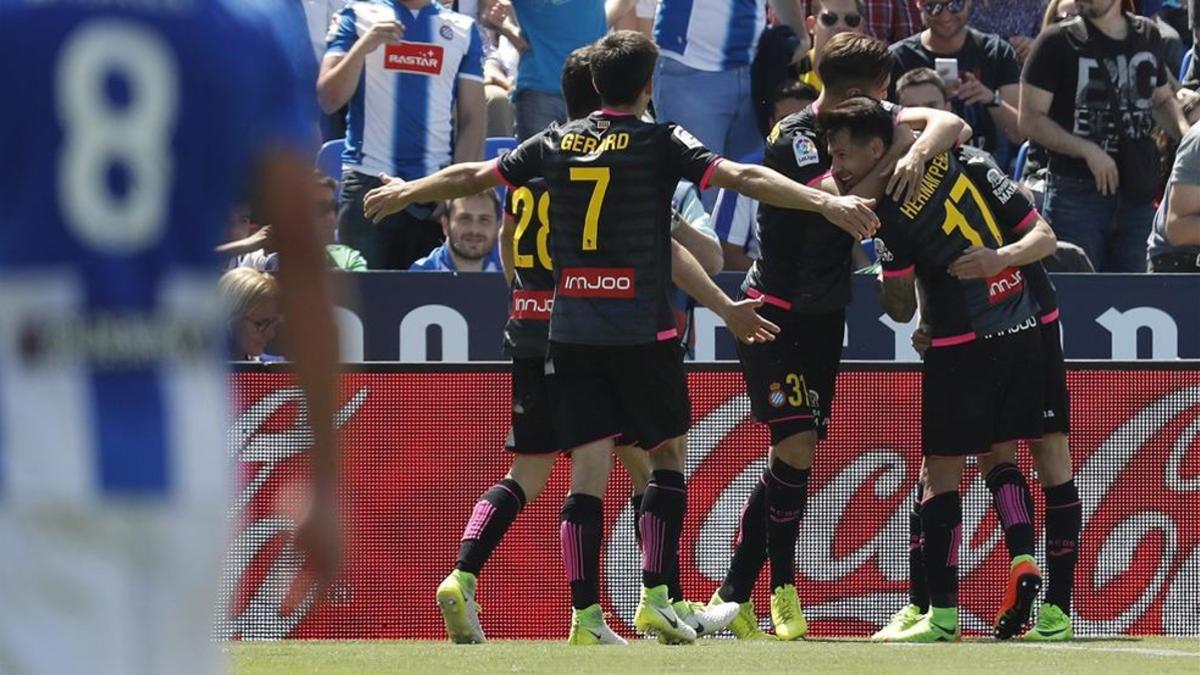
[(612, 349), (965, 237), (803, 275), (1092, 90), (986, 90)]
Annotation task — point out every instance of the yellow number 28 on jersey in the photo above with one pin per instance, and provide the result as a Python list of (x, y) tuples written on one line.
[(523, 205)]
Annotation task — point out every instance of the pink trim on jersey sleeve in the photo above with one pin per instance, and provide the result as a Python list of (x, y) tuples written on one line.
[(1050, 318), (818, 179), (755, 294), (1026, 221), (500, 174), (899, 273), (709, 172), (668, 334)]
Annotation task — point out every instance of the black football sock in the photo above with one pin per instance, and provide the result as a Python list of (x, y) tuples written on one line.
[(1064, 518), (1010, 495), (787, 492), (636, 502), (750, 547), (918, 585), (661, 522), (580, 533), (941, 521), (493, 514)]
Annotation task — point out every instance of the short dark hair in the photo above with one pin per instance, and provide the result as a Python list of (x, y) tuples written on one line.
[(864, 117), (622, 63), (852, 60), (815, 6), (577, 87), (793, 89), (919, 76), (488, 194)]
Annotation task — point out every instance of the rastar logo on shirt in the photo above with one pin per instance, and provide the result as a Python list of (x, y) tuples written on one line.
[(597, 282), (414, 57)]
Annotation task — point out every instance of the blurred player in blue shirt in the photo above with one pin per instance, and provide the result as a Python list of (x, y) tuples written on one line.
[(138, 127)]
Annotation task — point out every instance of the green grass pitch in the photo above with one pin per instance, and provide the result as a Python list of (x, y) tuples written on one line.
[(1094, 657)]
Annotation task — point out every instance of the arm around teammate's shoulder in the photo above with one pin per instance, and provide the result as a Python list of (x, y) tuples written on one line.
[(853, 214)]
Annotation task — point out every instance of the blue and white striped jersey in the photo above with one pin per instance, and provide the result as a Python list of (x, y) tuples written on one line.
[(710, 34), (735, 220), (134, 132), (399, 120)]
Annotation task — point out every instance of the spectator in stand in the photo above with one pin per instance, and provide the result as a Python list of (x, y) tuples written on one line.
[(552, 31), (499, 71), (1174, 244), (827, 18), (412, 72), (1103, 164), (471, 225), (985, 93), (1017, 21), (735, 216), (702, 80), (252, 298), (632, 15), (339, 256), (777, 60), (922, 88), (893, 20)]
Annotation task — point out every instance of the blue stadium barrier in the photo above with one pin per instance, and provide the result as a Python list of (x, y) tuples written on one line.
[(495, 146), (1019, 165), (1184, 65)]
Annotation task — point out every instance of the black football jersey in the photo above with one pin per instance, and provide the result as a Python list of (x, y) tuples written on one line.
[(610, 178), (531, 294), (964, 200), (804, 261)]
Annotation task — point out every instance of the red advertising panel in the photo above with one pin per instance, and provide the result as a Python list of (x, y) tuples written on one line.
[(420, 447)]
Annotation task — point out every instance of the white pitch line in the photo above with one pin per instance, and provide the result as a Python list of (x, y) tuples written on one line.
[(1148, 651), (1145, 651)]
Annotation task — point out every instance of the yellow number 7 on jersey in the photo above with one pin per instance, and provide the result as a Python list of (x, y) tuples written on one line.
[(591, 222)]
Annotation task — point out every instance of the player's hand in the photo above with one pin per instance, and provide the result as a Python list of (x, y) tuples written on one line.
[(743, 321), (1104, 170), (977, 262), (386, 199), (922, 340), (973, 91), (381, 33), (906, 175), (853, 214)]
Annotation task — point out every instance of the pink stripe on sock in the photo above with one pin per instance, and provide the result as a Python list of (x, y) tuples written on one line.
[(1064, 506), (660, 486), (1012, 506), (955, 543), (514, 495), (481, 515), (569, 535)]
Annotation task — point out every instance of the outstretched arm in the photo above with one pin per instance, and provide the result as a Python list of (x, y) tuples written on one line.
[(739, 317), (852, 214), (456, 180)]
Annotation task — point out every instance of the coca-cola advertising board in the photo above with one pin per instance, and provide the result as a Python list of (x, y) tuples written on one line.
[(421, 443)]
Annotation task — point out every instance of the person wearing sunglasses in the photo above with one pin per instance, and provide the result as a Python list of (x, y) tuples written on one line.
[(985, 83), (828, 18)]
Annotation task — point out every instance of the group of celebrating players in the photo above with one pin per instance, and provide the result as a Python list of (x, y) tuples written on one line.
[(598, 366)]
